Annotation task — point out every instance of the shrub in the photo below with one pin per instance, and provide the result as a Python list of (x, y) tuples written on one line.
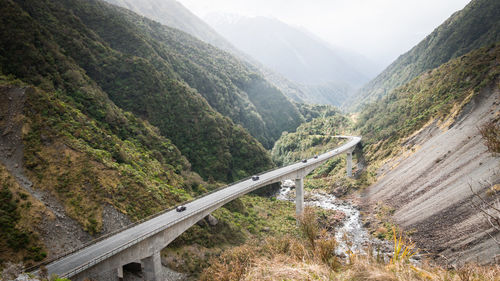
[(309, 227), (491, 135)]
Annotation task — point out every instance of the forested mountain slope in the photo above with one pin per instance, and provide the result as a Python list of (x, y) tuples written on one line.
[(229, 86), (91, 50), (99, 128), (173, 14), (313, 137), (477, 25)]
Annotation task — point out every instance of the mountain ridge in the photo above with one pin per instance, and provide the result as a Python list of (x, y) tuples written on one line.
[(175, 15), (303, 59), (475, 26)]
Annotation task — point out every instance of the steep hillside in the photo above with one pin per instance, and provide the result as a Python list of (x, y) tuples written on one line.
[(173, 14), (227, 83), (67, 178), (425, 139), (423, 148), (81, 47), (326, 75), (72, 171), (438, 95), (477, 25)]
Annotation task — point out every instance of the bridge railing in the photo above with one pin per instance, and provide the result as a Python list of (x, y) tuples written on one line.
[(156, 230), (138, 239), (107, 235)]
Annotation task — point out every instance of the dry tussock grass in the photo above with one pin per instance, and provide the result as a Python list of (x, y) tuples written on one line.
[(231, 265), (311, 257), (283, 267)]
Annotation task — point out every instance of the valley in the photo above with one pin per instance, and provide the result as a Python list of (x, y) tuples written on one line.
[(138, 142)]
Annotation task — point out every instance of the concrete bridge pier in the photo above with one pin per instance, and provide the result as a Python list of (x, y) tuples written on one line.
[(152, 268), (299, 196), (119, 273), (349, 164)]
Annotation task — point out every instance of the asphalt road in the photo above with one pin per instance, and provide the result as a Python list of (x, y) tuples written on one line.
[(112, 245)]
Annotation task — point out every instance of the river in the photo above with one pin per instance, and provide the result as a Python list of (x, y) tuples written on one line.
[(352, 225)]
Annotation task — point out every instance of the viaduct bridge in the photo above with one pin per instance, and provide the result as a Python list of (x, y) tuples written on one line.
[(142, 243)]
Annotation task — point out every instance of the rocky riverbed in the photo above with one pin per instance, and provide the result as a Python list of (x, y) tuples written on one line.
[(351, 235)]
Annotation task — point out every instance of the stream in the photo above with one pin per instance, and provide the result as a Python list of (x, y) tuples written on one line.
[(352, 226)]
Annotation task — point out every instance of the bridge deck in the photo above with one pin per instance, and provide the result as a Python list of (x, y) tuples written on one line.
[(78, 261)]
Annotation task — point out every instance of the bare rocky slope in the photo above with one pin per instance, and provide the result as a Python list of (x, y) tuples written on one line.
[(428, 186)]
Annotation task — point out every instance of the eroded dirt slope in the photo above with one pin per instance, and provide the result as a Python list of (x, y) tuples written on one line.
[(429, 188)]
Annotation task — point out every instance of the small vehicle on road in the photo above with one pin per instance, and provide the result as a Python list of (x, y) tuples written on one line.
[(180, 208), (255, 178), (316, 156), (304, 160)]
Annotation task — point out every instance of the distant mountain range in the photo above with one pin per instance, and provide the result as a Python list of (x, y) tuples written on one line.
[(477, 25), (326, 74)]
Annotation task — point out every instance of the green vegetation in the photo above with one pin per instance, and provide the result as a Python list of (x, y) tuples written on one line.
[(311, 138), (119, 110), (87, 165), (94, 55), (315, 137), (311, 111), (437, 96), (477, 25), (247, 218), (18, 240)]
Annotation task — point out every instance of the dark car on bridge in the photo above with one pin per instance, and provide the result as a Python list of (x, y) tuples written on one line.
[(180, 208), (255, 178), (304, 160)]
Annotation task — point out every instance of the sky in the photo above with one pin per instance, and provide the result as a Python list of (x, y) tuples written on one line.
[(381, 30)]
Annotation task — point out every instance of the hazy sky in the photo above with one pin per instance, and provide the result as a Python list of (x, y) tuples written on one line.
[(379, 29)]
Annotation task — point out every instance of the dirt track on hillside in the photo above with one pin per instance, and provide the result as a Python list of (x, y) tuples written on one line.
[(429, 188)]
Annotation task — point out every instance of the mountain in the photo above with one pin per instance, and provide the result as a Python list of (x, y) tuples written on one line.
[(477, 25), (173, 14), (230, 86), (311, 138), (294, 53), (174, 81), (425, 139), (101, 128), (426, 148)]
